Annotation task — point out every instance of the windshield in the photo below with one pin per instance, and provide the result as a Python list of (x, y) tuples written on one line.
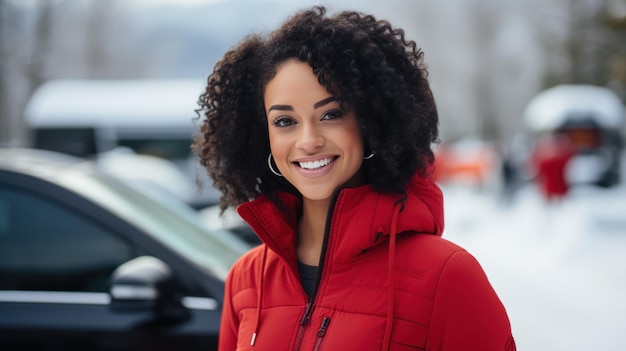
[(164, 217)]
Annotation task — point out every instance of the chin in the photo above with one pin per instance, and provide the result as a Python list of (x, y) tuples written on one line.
[(316, 196), (316, 193)]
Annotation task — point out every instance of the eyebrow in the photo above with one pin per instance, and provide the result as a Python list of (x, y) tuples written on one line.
[(323, 102), (281, 108), (290, 108)]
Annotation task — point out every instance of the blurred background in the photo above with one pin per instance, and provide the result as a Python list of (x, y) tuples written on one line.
[(531, 103)]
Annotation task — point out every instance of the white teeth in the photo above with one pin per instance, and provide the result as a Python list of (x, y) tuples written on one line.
[(315, 164)]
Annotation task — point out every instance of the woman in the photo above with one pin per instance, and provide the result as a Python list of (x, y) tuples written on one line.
[(321, 134)]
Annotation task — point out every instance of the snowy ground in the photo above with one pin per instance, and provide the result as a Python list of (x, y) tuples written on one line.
[(559, 269)]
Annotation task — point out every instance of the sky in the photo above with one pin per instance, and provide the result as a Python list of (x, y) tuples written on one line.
[(173, 2)]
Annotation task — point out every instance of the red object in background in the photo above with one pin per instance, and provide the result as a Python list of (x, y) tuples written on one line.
[(465, 162), (550, 158)]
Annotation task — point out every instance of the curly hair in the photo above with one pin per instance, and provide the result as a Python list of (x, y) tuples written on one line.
[(366, 64)]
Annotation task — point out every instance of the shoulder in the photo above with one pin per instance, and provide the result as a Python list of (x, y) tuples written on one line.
[(248, 260), (242, 273), (453, 268), (431, 247), (466, 308), (441, 257)]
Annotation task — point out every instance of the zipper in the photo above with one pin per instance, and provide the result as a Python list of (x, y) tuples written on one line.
[(304, 321), (321, 333), (308, 311)]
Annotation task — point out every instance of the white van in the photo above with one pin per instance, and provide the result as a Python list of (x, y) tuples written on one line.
[(153, 119)]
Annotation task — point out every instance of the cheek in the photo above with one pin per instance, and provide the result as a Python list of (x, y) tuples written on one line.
[(352, 138), (278, 147)]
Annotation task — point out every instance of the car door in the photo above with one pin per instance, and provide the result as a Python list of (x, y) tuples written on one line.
[(57, 253)]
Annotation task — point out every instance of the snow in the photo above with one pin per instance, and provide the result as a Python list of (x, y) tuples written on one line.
[(559, 268), (549, 109), (129, 103)]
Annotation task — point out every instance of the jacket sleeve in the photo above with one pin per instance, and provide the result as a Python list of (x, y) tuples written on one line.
[(230, 322), (467, 314)]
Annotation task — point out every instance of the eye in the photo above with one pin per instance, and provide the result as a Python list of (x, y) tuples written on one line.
[(333, 114), (283, 121)]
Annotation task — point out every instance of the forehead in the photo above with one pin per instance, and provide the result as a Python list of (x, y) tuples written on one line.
[(294, 81)]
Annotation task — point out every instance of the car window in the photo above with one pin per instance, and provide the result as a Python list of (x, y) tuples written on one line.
[(46, 246), (169, 148), (73, 141), (164, 220)]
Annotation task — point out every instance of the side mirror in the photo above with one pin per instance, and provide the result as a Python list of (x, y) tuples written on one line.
[(146, 284)]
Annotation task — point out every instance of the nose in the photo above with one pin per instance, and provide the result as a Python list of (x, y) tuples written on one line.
[(309, 138)]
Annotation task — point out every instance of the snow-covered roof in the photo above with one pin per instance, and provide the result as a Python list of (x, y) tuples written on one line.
[(115, 103), (548, 109)]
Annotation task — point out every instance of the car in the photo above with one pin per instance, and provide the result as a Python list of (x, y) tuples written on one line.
[(158, 178), (213, 218), (89, 263), (590, 118)]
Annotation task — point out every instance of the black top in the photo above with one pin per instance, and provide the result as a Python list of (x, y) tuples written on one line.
[(308, 274)]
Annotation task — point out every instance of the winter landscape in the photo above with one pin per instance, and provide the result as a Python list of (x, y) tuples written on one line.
[(559, 268)]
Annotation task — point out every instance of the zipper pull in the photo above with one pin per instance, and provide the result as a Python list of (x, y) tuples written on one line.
[(321, 333), (306, 317), (323, 327)]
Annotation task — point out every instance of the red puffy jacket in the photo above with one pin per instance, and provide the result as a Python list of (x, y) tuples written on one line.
[(387, 281)]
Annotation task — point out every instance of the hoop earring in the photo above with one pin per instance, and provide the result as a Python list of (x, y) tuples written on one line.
[(269, 164), (368, 156)]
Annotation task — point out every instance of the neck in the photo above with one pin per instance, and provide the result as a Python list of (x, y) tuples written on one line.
[(311, 231)]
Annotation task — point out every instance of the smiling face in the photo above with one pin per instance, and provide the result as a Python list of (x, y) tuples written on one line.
[(316, 145)]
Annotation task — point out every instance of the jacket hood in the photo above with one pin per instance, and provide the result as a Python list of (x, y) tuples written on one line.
[(355, 210)]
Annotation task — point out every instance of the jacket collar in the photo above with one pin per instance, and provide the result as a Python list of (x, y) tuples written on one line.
[(361, 218)]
